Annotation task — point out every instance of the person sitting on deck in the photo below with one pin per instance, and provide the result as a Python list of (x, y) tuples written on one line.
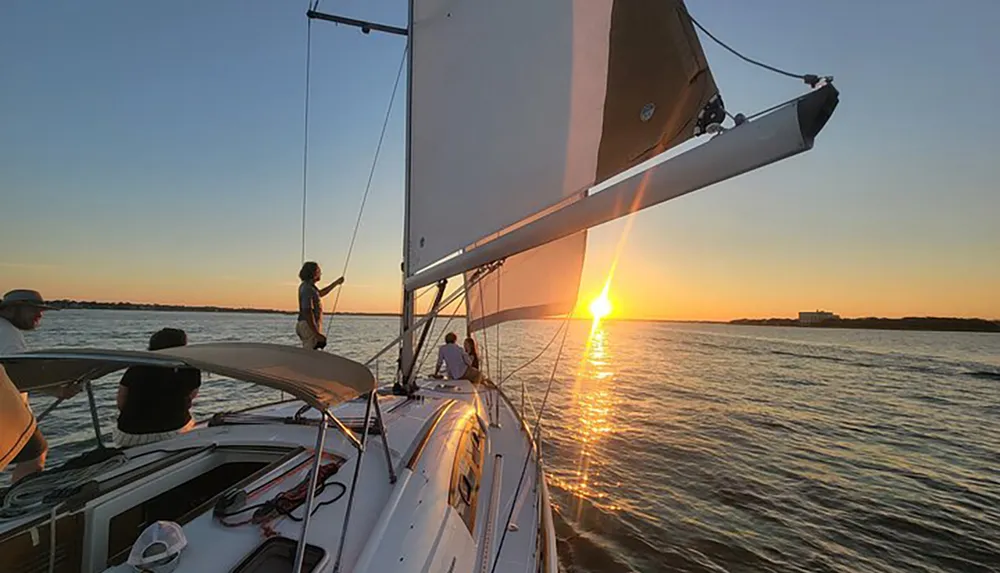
[(154, 403), (458, 362), (470, 349)]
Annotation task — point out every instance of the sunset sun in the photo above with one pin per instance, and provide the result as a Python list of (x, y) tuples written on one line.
[(600, 307)]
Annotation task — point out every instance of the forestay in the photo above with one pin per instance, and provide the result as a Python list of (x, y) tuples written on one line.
[(519, 105)]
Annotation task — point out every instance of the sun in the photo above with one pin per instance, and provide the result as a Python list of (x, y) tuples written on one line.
[(600, 307)]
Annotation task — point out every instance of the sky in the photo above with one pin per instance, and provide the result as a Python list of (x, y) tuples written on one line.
[(152, 152)]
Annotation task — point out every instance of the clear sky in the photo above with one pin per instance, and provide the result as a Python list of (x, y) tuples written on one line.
[(152, 151)]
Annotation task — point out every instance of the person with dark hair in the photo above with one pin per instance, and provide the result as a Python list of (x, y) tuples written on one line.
[(154, 403), (21, 310), (472, 351), (457, 362), (309, 327)]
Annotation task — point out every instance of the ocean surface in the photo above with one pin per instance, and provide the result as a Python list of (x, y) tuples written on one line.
[(688, 447)]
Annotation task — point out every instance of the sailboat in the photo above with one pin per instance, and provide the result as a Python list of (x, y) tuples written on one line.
[(516, 111)]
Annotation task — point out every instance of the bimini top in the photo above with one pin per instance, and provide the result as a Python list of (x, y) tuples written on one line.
[(319, 378)]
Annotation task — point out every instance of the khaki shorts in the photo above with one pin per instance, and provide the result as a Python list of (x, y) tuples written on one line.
[(306, 335)]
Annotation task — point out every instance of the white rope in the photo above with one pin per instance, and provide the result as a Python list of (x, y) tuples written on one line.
[(30, 493)]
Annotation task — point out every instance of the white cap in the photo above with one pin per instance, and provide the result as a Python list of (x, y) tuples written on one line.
[(158, 548)]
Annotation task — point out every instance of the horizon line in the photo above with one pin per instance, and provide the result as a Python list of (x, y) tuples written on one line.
[(97, 305)]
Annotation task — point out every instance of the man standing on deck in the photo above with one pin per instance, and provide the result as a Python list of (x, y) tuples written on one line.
[(309, 327), (21, 310)]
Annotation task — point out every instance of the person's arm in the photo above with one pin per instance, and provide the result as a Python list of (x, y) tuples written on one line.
[(64, 392), (440, 361), (122, 396), (123, 387), (194, 384), (326, 290)]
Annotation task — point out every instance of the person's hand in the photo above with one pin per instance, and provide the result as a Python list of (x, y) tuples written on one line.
[(64, 392), (437, 376), (339, 281), (71, 390), (320, 342)]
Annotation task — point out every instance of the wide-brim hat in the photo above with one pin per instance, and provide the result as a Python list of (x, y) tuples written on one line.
[(25, 297)]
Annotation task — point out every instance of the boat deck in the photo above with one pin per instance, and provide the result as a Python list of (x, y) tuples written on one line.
[(457, 464)]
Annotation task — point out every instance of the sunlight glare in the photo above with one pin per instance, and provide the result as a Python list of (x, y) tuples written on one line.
[(600, 307)]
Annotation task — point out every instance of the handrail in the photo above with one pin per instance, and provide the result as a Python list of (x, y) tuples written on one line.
[(441, 411)]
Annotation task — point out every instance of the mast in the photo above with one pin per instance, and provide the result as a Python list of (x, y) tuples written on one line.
[(406, 357), (406, 322)]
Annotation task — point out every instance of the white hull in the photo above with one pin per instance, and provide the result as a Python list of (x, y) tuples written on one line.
[(420, 523)]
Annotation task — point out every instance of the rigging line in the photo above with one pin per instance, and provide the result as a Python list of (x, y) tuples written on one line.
[(433, 312), (537, 356), (368, 186), (499, 359), (810, 79), (534, 432), (437, 339), (486, 338), (305, 135), (429, 288), (429, 349)]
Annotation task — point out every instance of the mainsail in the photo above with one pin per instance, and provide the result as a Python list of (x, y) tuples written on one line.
[(518, 107)]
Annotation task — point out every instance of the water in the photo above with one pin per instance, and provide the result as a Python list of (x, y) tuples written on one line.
[(701, 447)]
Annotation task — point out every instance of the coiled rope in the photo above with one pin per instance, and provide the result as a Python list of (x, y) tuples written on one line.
[(30, 493)]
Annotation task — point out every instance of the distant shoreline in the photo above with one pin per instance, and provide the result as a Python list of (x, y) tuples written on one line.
[(92, 305), (924, 323), (937, 324)]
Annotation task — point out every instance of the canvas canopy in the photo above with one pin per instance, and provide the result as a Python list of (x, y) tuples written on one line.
[(320, 379)]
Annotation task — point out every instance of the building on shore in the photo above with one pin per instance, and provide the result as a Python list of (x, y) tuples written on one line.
[(816, 317)]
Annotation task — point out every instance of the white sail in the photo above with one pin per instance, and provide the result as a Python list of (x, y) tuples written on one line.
[(534, 284), (505, 116), (503, 129), (537, 283)]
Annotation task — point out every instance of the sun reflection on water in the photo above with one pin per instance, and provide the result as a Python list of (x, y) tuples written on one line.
[(594, 401)]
